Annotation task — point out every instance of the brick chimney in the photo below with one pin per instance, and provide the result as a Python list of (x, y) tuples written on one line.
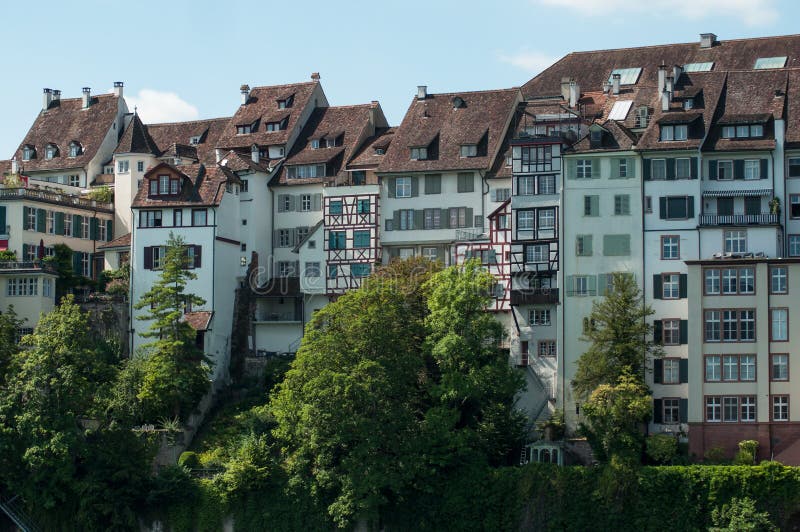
[(315, 76), (86, 98), (47, 98)]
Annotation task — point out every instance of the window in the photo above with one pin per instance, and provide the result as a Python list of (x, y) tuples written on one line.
[(713, 409), (756, 130), (671, 332), (537, 253), (794, 167), (769, 62), (333, 271), (794, 205), (432, 219), (547, 219), (150, 219), (671, 414), (50, 222), (712, 326), (584, 169), (779, 367), (677, 207), (779, 279), (458, 217), (526, 219), (724, 170), (403, 187), (780, 408), (74, 180), (305, 202), (730, 368), (284, 238), (22, 286), (683, 168), (736, 326), (735, 241), (627, 76), (363, 206), (583, 245), (312, 269), (698, 67), (794, 245), (286, 103), (779, 325), (84, 227), (430, 253), (581, 285), (616, 245), (244, 129), (419, 154), (671, 371), (28, 153), (123, 167), (658, 169), (688, 104), (591, 205), (623, 167), (547, 184), (729, 281), (547, 348), (158, 255), (277, 126), (730, 409), (361, 239), (406, 220), (469, 150), (747, 367), (47, 287), (674, 132), (286, 268), (748, 408), (502, 194), (359, 270), (466, 182), (67, 225), (622, 204), (305, 171), (314, 144), (199, 217), (670, 286), (527, 159), (648, 204), (539, 317), (177, 217), (102, 233), (670, 247), (752, 169), (192, 257), (728, 132), (335, 207), (713, 368), (526, 185)]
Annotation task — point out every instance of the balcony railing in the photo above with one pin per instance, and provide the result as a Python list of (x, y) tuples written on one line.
[(54, 197), (739, 219), (17, 265), (465, 236), (534, 296), (277, 317)]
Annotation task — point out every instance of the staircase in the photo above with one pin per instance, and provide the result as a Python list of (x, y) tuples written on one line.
[(14, 511)]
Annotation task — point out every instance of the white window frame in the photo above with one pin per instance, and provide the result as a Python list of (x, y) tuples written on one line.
[(728, 164), (403, 187), (779, 324), (540, 317), (735, 241), (752, 169), (661, 174)]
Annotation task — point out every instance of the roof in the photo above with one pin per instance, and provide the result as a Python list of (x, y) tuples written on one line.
[(310, 232), (137, 139), (66, 121), (591, 69), (5, 167), (367, 157), (348, 126), (262, 108), (199, 320), (206, 131), (616, 137), (446, 123), (202, 186), (793, 110), (122, 242), (238, 162)]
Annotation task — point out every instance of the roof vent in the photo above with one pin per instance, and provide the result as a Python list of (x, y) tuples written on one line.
[(422, 92), (458, 102), (707, 40), (315, 76)]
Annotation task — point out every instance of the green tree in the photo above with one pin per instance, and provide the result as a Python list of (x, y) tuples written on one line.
[(175, 372), (9, 324), (61, 261), (741, 515), (619, 335)]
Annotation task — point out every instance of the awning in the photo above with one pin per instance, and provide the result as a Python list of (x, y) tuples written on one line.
[(3, 245), (737, 193)]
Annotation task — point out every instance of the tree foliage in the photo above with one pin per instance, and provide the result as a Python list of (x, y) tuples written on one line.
[(9, 324)]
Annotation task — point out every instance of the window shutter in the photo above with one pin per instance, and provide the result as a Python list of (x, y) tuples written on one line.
[(683, 286), (281, 203), (392, 187), (276, 238), (77, 226), (690, 207), (570, 285), (390, 224), (25, 218), (658, 370), (592, 285), (683, 370), (646, 169), (658, 411), (296, 268), (614, 167), (148, 258), (76, 263), (469, 217), (670, 169), (419, 219), (414, 186), (588, 244), (657, 288), (24, 251), (602, 284), (693, 167), (444, 218), (198, 255), (59, 219), (662, 208), (738, 169), (658, 335), (109, 230), (595, 168), (93, 228), (595, 205), (396, 219), (764, 169), (712, 170), (317, 202), (291, 202), (478, 220), (572, 168), (683, 410), (40, 220), (493, 194)]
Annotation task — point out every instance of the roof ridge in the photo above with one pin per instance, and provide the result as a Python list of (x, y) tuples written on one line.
[(189, 121), (457, 93), (284, 85), (743, 39)]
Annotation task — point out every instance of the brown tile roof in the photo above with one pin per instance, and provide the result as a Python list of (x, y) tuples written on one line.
[(348, 125), (103, 179), (202, 186), (5, 167), (237, 162), (366, 157), (199, 320), (137, 139), (438, 120), (167, 134), (66, 121), (793, 110), (122, 242), (590, 69), (616, 137), (262, 108)]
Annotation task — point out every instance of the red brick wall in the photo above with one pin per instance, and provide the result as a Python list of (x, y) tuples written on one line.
[(704, 436)]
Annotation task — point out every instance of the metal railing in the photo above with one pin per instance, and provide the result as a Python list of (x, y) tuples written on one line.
[(532, 296), (738, 219), (277, 316), (25, 265), (17, 514), (463, 236), (53, 197)]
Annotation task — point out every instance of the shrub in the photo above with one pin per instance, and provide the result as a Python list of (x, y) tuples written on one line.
[(747, 453), (740, 515), (102, 194), (715, 455), (189, 459), (662, 448)]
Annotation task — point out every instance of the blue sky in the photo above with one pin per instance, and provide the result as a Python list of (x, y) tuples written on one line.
[(183, 60)]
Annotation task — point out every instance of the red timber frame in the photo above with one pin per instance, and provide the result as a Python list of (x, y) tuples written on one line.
[(349, 221), (499, 242)]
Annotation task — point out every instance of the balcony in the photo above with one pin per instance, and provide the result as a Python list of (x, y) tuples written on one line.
[(534, 296), (22, 266), (739, 219), (468, 236), (47, 196)]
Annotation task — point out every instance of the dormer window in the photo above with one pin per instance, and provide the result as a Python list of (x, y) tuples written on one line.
[(286, 103), (164, 185), (331, 142), (688, 104), (195, 140), (419, 153), (674, 132), (28, 153), (742, 131), (314, 144), (244, 129), (277, 126), (50, 151), (380, 151), (596, 136), (469, 150), (756, 130), (305, 171), (75, 149)]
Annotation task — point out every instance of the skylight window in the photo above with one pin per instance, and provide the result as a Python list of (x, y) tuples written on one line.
[(770, 62), (620, 110), (698, 67), (628, 76)]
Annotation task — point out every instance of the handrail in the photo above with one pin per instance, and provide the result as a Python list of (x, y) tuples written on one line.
[(54, 197)]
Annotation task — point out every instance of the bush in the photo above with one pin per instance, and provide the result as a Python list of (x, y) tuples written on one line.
[(102, 194), (741, 515), (189, 459), (8, 256), (715, 455), (747, 453), (662, 448)]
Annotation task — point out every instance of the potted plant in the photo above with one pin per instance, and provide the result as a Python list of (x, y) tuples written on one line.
[(775, 206)]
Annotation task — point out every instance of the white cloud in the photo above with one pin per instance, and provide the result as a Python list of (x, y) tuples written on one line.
[(161, 106), (750, 12), (530, 61)]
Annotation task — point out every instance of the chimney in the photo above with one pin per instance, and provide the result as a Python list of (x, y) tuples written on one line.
[(47, 98), (676, 72), (707, 40), (565, 88), (615, 81), (255, 154), (606, 87), (665, 98), (245, 90), (14, 166), (422, 92), (670, 86), (373, 116), (574, 94), (662, 77), (87, 97), (118, 89), (56, 95), (315, 76)]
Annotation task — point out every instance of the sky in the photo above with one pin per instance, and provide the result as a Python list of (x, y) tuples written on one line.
[(185, 60)]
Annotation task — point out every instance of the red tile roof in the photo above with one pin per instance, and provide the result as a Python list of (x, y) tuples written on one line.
[(366, 156), (137, 139), (66, 121), (122, 242), (202, 186), (199, 320), (209, 131)]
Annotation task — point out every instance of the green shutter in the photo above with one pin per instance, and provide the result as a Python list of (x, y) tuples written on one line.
[(469, 217), (76, 263), (24, 252), (570, 285), (683, 410), (602, 284), (444, 218), (595, 205), (684, 332), (419, 219), (738, 169), (41, 220), (646, 169), (693, 161), (764, 168), (616, 245), (592, 283), (572, 168), (683, 289), (614, 168), (93, 229), (59, 219), (683, 370), (712, 170), (658, 411), (25, 217), (109, 230), (690, 207), (396, 220), (414, 186), (658, 291), (595, 168), (658, 370), (2, 219), (662, 208), (392, 187), (77, 220), (658, 334), (670, 168)]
